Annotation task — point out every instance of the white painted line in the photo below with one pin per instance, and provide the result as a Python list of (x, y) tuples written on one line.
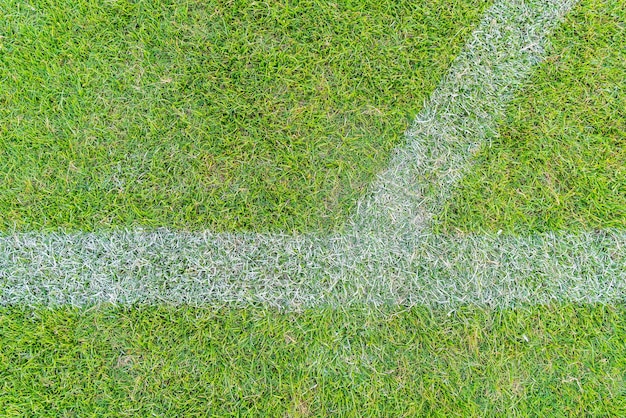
[(386, 254)]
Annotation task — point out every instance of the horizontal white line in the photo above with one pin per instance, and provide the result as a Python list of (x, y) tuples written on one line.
[(176, 267)]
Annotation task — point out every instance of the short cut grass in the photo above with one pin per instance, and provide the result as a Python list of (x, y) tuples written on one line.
[(559, 161), (221, 115), (540, 361)]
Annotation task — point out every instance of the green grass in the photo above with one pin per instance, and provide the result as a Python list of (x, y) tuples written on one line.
[(114, 132), (545, 361), (560, 159), (221, 115)]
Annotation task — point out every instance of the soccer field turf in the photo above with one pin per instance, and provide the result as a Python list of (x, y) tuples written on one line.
[(559, 147), (559, 161), (210, 115), (550, 361)]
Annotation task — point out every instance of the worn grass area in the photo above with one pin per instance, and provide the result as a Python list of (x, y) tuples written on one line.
[(560, 159), (545, 361), (220, 115)]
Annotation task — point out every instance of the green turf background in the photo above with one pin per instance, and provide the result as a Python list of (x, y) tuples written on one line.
[(558, 360), (221, 115), (560, 159), (562, 360)]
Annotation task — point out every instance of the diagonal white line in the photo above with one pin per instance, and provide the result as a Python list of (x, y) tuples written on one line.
[(385, 254)]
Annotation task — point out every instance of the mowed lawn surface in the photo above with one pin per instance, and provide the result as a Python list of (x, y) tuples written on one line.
[(558, 360), (548, 361), (220, 115), (559, 161)]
